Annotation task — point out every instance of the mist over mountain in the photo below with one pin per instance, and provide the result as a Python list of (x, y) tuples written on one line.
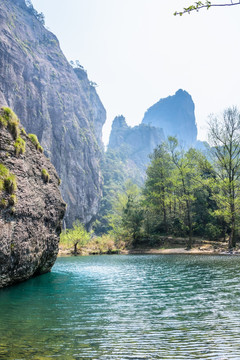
[(171, 116), (136, 143)]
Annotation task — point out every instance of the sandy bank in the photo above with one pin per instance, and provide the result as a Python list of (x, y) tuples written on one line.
[(202, 247)]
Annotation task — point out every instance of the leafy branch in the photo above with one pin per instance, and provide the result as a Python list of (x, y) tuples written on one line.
[(200, 5)]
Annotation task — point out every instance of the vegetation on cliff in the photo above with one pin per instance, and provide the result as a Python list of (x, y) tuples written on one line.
[(56, 102), (30, 212)]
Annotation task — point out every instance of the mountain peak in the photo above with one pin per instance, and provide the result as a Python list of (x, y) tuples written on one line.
[(175, 115), (119, 122)]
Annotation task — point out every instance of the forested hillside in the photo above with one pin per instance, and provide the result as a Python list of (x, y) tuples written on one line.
[(186, 193)]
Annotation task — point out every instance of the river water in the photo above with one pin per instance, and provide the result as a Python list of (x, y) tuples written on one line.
[(125, 307)]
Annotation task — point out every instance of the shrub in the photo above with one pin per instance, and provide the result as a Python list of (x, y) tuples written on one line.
[(10, 184), (23, 131), (19, 146), (12, 200), (34, 140), (10, 120), (13, 128), (3, 204), (77, 236), (3, 122), (45, 176), (4, 172)]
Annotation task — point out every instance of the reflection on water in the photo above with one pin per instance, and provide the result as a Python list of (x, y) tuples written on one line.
[(125, 307)]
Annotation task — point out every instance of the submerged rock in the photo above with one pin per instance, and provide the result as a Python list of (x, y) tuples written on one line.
[(31, 207)]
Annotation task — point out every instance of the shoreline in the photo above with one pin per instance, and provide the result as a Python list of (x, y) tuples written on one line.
[(207, 249)]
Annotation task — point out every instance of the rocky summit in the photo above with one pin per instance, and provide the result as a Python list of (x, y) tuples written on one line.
[(31, 206), (175, 115), (135, 144), (54, 101)]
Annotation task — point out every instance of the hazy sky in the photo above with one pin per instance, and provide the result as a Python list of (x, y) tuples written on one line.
[(138, 52)]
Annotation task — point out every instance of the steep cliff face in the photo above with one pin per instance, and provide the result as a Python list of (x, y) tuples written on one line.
[(31, 206), (54, 101), (175, 115), (135, 144)]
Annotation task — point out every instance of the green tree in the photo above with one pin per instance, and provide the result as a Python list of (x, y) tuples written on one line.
[(127, 215), (158, 186), (114, 175), (186, 181), (77, 236), (224, 136), (206, 224)]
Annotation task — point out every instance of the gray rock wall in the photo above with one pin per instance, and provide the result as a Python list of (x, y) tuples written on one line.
[(30, 215), (56, 103)]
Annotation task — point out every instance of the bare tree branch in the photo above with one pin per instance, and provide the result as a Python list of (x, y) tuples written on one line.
[(199, 5)]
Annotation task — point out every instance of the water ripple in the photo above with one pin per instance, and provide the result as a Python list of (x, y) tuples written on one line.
[(125, 307)]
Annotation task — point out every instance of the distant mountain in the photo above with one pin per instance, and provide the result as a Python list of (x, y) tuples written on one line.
[(175, 115), (172, 116), (135, 143), (129, 149)]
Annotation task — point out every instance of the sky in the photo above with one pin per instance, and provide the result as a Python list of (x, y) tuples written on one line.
[(138, 52)]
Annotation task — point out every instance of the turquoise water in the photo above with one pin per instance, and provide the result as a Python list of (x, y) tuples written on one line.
[(125, 307)]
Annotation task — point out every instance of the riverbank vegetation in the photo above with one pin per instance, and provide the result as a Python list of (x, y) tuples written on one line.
[(187, 194)]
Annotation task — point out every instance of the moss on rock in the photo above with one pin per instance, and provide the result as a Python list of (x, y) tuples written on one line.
[(45, 176)]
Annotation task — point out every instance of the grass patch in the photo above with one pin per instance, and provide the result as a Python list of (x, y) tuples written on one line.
[(23, 131), (45, 176), (4, 172), (20, 146), (3, 122), (10, 120), (12, 200), (3, 203), (10, 184), (34, 140)]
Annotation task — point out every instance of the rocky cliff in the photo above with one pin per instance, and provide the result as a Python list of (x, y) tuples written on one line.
[(175, 115), (135, 143), (31, 207), (54, 101)]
